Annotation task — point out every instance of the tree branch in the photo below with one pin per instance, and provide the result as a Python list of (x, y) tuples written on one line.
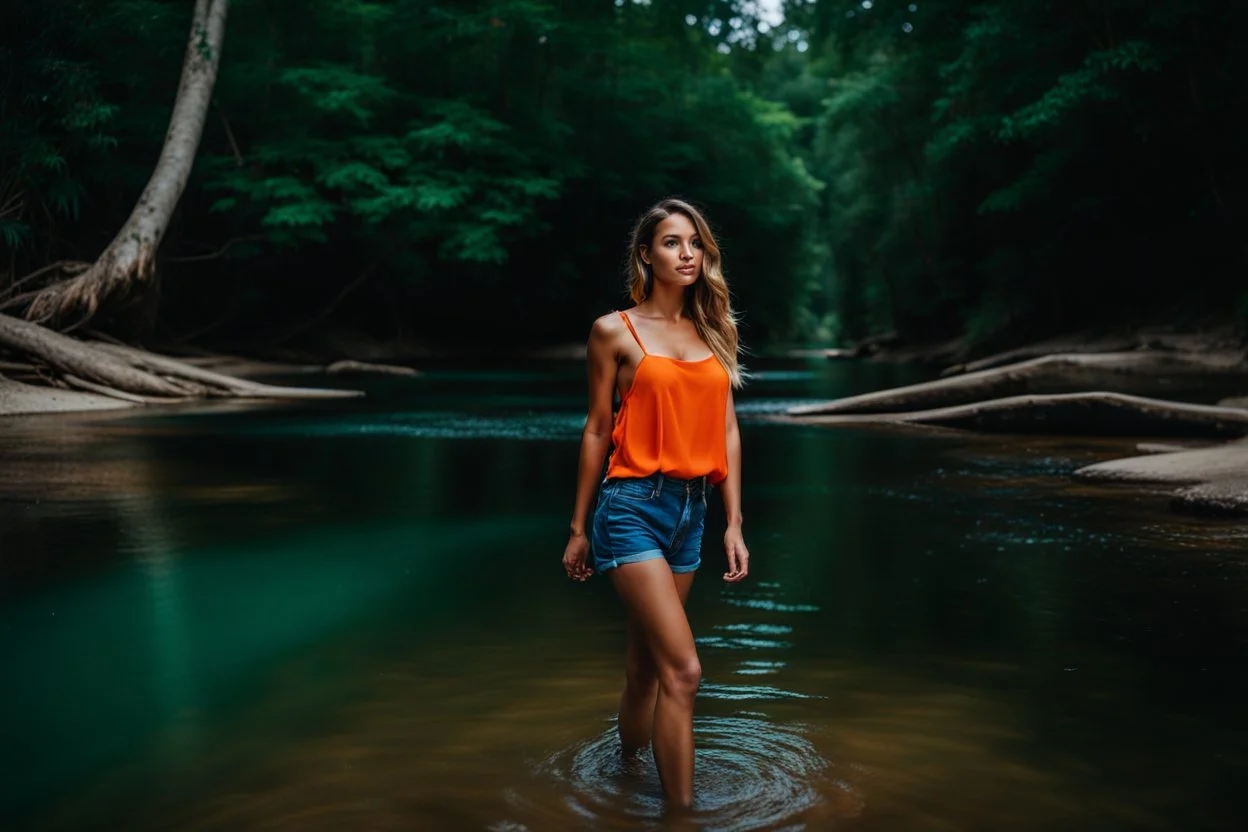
[(219, 252), (69, 266), (229, 134)]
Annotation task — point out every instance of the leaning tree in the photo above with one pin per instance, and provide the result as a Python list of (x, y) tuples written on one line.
[(77, 291)]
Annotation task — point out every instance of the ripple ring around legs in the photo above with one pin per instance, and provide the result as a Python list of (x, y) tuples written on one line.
[(748, 774)]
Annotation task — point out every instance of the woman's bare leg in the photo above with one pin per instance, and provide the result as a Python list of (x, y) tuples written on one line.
[(641, 681), (655, 608)]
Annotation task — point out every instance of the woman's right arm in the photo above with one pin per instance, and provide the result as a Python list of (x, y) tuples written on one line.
[(595, 440)]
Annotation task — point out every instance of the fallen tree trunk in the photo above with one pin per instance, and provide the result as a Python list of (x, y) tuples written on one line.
[(1101, 413), (1074, 344), (1140, 372), (130, 259), (1089, 343), (127, 373), (1216, 479)]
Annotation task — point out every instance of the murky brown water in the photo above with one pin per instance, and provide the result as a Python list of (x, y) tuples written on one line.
[(351, 616)]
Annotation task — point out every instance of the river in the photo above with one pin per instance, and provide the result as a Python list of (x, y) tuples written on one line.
[(351, 615)]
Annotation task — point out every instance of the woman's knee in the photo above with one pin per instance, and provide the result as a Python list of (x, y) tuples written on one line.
[(681, 677)]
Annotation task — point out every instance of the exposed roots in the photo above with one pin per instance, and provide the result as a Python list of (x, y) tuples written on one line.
[(71, 303), (131, 374)]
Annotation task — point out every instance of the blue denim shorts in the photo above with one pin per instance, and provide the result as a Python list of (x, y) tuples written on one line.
[(649, 517)]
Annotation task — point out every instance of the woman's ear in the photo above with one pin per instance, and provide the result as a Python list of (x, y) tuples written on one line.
[(644, 251)]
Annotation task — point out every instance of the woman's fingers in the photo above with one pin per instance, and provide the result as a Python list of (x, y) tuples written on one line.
[(738, 564), (731, 574), (575, 563)]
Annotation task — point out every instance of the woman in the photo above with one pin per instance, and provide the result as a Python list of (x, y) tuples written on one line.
[(672, 359)]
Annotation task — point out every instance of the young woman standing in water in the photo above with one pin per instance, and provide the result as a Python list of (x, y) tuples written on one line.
[(672, 359)]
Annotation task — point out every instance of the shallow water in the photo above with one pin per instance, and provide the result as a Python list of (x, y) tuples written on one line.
[(352, 615)]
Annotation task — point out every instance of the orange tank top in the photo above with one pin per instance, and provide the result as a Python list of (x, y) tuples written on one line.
[(671, 419)]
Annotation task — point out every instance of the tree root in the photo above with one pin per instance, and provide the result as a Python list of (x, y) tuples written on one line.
[(91, 387), (79, 297), (135, 375)]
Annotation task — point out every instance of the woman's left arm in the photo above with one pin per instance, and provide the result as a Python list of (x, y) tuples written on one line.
[(734, 542)]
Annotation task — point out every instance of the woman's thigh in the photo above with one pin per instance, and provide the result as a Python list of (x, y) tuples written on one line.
[(655, 602)]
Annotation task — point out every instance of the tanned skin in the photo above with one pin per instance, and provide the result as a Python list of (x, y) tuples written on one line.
[(662, 668)]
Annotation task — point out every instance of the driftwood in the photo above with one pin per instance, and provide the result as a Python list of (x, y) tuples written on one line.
[(1087, 343), (350, 366), (135, 375), (1075, 344), (1216, 479), (1113, 414), (1139, 372)]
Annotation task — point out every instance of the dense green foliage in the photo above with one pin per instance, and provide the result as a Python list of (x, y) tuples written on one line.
[(998, 167), (467, 170)]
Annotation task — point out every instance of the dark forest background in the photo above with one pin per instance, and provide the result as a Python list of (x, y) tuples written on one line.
[(415, 173)]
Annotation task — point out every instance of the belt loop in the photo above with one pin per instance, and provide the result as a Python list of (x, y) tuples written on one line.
[(658, 483)]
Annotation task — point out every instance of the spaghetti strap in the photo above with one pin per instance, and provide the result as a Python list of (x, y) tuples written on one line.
[(629, 324)]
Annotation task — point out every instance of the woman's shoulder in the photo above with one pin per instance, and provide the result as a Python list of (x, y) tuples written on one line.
[(610, 325)]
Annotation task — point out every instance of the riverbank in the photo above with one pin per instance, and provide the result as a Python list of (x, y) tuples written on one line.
[(19, 398), (1204, 480), (22, 399), (1151, 383)]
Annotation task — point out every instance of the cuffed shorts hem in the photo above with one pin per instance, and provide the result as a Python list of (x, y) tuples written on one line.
[(649, 554), (678, 568)]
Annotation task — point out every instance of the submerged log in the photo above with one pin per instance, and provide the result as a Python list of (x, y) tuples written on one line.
[(1101, 413), (1139, 372)]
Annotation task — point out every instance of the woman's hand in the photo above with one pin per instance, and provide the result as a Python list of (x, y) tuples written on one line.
[(574, 557), (738, 555)]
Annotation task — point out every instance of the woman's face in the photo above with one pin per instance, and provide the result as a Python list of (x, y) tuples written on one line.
[(675, 254)]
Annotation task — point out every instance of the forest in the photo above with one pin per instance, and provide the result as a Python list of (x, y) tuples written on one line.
[(462, 174)]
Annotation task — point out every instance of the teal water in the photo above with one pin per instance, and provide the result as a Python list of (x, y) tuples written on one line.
[(352, 615)]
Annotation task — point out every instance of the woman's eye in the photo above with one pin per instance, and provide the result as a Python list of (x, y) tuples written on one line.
[(697, 244)]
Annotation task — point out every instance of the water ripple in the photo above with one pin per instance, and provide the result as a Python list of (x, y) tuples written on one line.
[(442, 425), (740, 693), (742, 643), (749, 774), (771, 606)]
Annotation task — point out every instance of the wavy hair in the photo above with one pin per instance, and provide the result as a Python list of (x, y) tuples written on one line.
[(707, 301)]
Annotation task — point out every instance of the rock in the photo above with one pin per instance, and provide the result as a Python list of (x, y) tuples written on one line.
[(1215, 479), (1166, 447)]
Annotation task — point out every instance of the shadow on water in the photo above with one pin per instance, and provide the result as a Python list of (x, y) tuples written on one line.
[(350, 615)]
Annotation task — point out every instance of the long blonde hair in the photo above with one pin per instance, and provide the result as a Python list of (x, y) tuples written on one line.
[(707, 301)]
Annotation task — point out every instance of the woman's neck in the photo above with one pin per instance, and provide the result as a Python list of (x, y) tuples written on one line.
[(666, 302)]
